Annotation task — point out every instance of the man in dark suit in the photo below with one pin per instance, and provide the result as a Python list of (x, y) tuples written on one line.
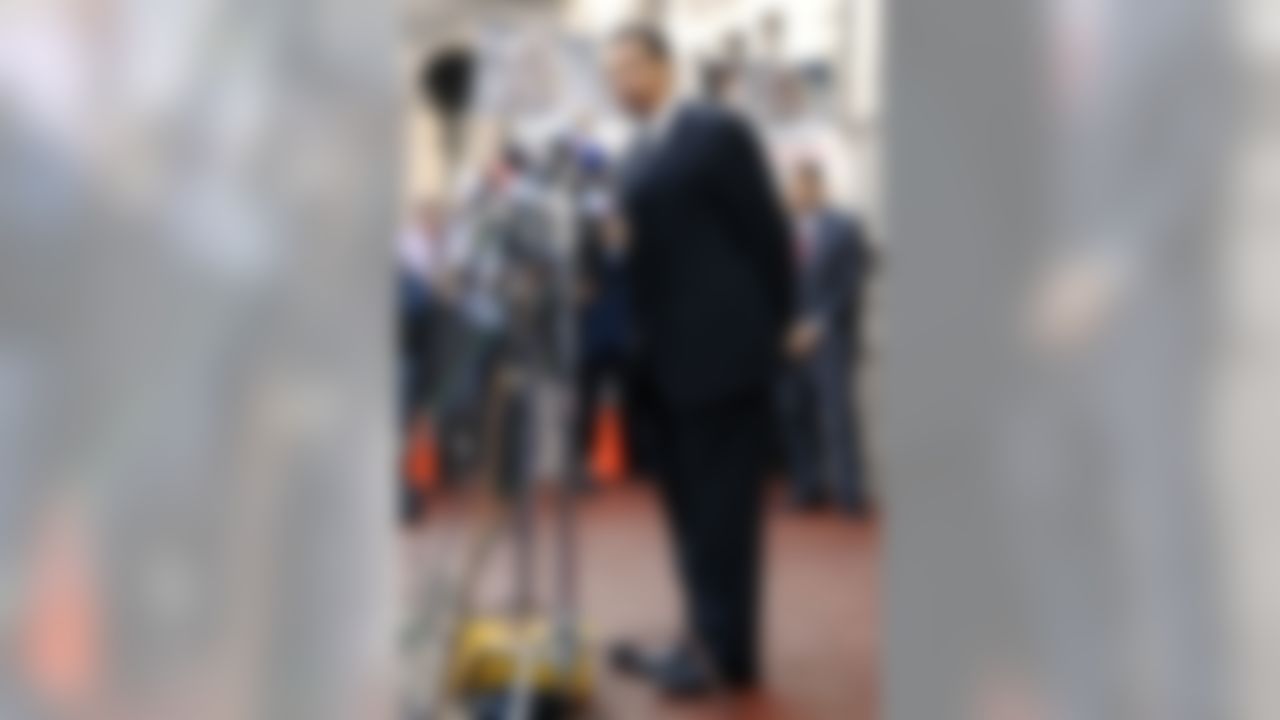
[(712, 290), (833, 261)]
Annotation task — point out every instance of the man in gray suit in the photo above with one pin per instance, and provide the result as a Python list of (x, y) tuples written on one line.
[(822, 433)]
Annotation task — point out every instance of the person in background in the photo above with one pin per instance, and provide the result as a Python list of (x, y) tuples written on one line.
[(728, 78), (711, 283), (823, 437), (422, 246), (420, 250), (799, 132), (589, 155), (605, 341), (720, 83)]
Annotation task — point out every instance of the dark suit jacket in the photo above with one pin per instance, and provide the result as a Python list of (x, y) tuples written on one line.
[(832, 278), (711, 263)]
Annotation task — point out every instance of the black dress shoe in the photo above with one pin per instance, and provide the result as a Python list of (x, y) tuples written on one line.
[(742, 679), (684, 673), (630, 659), (679, 672)]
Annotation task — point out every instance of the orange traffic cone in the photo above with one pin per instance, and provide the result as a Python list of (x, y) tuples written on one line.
[(61, 641), (422, 456), (609, 452)]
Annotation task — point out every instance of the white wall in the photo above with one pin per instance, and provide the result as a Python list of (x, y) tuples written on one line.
[(812, 27)]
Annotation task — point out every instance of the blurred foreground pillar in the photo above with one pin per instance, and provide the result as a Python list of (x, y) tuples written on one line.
[(195, 416), (1054, 183)]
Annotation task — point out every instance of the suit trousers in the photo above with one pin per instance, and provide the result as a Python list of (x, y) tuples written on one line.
[(713, 461), (823, 435)]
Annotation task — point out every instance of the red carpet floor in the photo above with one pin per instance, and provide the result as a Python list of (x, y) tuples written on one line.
[(821, 622)]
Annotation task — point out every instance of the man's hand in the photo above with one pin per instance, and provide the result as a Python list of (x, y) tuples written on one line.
[(803, 339)]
